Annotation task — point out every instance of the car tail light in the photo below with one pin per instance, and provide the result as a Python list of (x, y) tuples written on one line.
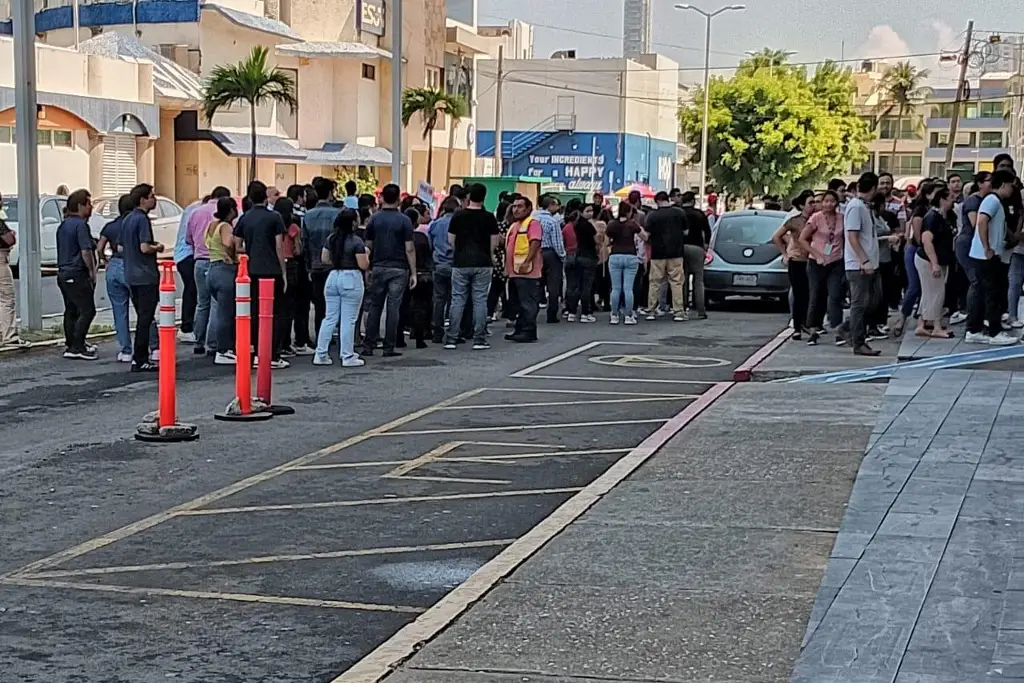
[(709, 257)]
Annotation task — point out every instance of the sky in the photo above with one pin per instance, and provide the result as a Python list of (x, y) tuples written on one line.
[(813, 29)]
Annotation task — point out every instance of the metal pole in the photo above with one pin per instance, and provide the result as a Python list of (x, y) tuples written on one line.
[(24, 20), (707, 110), (497, 112), (396, 92), (960, 89), (74, 17)]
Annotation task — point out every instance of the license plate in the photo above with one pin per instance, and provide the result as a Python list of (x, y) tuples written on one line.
[(744, 280)]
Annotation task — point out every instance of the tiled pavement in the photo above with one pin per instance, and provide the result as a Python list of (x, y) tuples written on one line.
[(926, 579)]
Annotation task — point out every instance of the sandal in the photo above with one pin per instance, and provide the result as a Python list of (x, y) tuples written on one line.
[(897, 329), (945, 334)]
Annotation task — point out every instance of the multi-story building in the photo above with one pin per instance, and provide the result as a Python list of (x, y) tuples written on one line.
[(636, 27), (337, 51), (516, 37), (588, 124)]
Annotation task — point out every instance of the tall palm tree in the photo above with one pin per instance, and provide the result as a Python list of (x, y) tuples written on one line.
[(901, 90), (457, 109), (252, 81), (430, 103), (765, 58)]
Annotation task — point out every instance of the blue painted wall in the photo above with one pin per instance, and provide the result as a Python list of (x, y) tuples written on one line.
[(569, 157), (114, 13)]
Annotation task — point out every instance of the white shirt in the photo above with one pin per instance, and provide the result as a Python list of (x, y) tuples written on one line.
[(858, 219)]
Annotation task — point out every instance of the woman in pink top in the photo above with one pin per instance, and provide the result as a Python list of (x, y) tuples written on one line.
[(822, 239)]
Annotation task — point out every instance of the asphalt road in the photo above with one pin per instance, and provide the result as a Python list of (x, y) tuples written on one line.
[(53, 304), (286, 550)]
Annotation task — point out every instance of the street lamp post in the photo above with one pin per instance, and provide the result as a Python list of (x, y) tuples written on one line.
[(707, 83)]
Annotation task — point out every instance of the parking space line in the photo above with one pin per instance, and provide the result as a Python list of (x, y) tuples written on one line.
[(372, 501), (270, 559), (585, 378), (594, 392), (545, 404), (427, 457), (457, 480), (210, 595), (528, 372), (347, 465), (506, 428), (510, 458), (229, 490)]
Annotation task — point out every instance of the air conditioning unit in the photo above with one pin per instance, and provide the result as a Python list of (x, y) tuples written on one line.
[(563, 54)]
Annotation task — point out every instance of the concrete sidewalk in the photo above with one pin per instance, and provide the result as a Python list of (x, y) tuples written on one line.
[(701, 566)]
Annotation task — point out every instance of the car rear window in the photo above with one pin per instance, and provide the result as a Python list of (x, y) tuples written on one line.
[(747, 229)]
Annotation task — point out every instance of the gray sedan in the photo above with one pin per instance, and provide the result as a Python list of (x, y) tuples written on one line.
[(742, 261)]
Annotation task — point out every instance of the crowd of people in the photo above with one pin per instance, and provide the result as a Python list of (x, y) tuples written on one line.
[(938, 252), (373, 268)]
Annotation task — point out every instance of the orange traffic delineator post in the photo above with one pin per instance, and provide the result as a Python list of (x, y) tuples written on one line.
[(243, 408), (163, 426), (264, 347)]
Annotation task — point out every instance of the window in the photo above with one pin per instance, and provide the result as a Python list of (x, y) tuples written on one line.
[(906, 164), (369, 72), (971, 110), (963, 139), (991, 140), (963, 167), (288, 118), (63, 138), (904, 129), (867, 166), (167, 209), (991, 110), (433, 77), (942, 111), (6, 135), (44, 137), (937, 169), (52, 211)]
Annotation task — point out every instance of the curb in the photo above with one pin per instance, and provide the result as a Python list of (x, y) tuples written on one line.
[(745, 370)]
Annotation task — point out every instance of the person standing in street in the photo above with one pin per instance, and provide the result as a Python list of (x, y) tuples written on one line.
[(580, 264), (8, 317), (473, 234), (260, 234), (989, 257), (351, 199), (860, 254), (695, 249), (822, 239), (205, 329), (303, 291), (933, 261), (139, 250), (76, 275), (786, 240), (392, 269), (623, 263), (524, 267), (118, 292), (348, 258), (292, 256), (552, 251), (184, 262), (442, 257), (665, 231), (220, 280), (317, 226)]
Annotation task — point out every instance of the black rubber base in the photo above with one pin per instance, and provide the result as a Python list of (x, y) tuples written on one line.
[(156, 438), (251, 417), (280, 410)]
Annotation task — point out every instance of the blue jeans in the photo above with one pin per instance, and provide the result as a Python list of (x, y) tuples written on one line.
[(220, 282), (120, 298), (466, 282), (344, 296), (387, 286), (622, 270), (206, 308), (1016, 282), (913, 293)]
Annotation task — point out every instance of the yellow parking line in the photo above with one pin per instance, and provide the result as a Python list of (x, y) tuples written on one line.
[(508, 428), (210, 595), (268, 559), (231, 489), (373, 501), (427, 457)]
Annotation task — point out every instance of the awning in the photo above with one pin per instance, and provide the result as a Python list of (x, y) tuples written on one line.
[(253, 21), (170, 79), (267, 146), (348, 154), (458, 39), (328, 50)]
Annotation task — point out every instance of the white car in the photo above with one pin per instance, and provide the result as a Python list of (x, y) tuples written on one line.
[(51, 213), (165, 219)]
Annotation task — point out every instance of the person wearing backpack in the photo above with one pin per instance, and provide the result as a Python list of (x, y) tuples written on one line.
[(524, 266)]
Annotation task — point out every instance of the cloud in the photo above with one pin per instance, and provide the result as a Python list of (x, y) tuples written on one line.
[(882, 41), (946, 38)]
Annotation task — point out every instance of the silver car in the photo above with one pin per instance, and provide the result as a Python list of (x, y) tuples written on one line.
[(742, 261), (51, 213), (165, 219)]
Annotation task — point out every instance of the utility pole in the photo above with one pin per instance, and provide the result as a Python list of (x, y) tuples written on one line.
[(24, 19), (961, 89), (497, 112), (396, 92)]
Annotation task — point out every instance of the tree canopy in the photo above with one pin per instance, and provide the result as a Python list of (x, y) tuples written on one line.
[(773, 129)]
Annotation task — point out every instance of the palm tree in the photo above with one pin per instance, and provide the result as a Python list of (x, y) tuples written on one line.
[(901, 90), (457, 109), (765, 58), (430, 103), (252, 81)]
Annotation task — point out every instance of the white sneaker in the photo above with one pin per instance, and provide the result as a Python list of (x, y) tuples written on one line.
[(570, 317), (1003, 339), (226, 358), (976, 338), (124, 358), (354, 363), (304, 351), (1016, 324), (154, 356), (651, 316), (681, 317), (322, 360), (631, 320), (588, 319), (187, 337), (614, 320), (280, 364), (450, 347), (957, 318)]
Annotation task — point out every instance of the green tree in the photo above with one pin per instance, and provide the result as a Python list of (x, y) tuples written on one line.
[(766, 58), (457, 109), (771, 130), (901, 90), (429, 103), (251, 81)]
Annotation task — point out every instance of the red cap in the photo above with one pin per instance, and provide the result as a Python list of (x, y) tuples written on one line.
[(911, 188), (712, 198)]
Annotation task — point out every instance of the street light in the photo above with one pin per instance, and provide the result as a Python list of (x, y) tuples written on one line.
[(707, 83)]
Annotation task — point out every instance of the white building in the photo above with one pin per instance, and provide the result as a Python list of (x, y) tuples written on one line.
[(636, 27)]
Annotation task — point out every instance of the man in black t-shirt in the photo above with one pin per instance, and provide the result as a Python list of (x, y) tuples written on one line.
[(698, 236), (392, 269), (473, 234), (665, 230), (259, 232)]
